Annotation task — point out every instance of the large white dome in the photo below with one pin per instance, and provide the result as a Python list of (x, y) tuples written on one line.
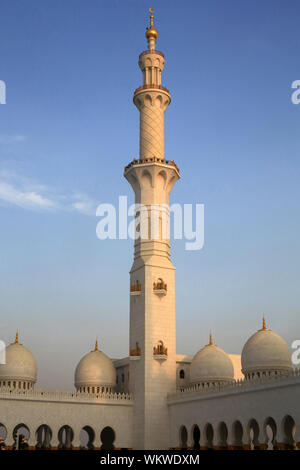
[(211, 364), (20, 364), (94, 371), (265, 351)]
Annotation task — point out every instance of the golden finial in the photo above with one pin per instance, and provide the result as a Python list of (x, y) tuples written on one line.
[(210, 340), (151, 11), (96, 345), (151, 31), (17, 338), (264, 328)]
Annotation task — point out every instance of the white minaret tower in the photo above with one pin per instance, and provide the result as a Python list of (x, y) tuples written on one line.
[(152, 276)]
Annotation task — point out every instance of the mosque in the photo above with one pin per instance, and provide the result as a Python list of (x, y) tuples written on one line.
[(155, 398)]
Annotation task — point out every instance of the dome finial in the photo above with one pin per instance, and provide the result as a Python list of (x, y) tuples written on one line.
[(96, 345), (151, 33), (17, 338), (211, 343), (264, 328)]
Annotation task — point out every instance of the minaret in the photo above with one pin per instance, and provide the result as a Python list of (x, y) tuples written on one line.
[(152, 276)]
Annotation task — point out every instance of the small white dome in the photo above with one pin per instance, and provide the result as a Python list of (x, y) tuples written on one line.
[(211, 364), (265, 351), (20, 364), (95, 369)]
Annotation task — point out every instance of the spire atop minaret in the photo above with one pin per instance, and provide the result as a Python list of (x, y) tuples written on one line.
[(151, 33), (152, 178), (96, 345), (17, 338)]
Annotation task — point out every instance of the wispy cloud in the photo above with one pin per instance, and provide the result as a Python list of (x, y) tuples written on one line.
[(22, 192), (84, 205), (11, 138), (25, 199)]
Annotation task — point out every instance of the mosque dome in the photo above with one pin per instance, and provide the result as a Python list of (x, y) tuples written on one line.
[(20, 369), (267, 353), (95, 373), (211, 364)]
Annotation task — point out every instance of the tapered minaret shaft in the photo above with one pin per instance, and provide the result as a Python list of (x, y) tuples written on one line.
[(152, 276)]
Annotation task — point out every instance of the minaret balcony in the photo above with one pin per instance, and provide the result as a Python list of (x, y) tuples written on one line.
[(155, 51), (160, 352), (160, 288), (136, 289), (151, 87), (147, 161), (135, 354)]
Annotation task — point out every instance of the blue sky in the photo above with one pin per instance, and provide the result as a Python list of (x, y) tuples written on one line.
[(68, 129)]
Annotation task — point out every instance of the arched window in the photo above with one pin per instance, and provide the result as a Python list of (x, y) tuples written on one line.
[(43, 437), (107, 437), (86, 437), (65, 437), (183, 437), (181, 374)]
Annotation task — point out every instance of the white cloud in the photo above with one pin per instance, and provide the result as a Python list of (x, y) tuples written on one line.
[(26, 199), (20, 191), (84, 205)]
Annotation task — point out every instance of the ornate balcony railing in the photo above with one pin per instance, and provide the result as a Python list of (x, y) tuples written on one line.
[(160, 350), (160, 285), (141, 161), (146, 87), (63, 396), (136, 351), (152, 52), (136, 287), (236, 386)]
